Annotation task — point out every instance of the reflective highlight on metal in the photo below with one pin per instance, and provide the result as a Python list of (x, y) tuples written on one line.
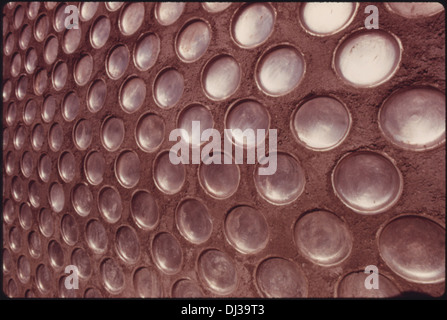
[(413, 118), (87, 179)]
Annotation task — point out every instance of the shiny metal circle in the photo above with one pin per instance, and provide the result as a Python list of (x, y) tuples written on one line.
[(367, 182), (414, 248), (414, 118)]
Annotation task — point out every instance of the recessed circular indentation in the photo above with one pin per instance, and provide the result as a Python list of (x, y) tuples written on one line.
[(353, 286), (9, 44), (70, 106), (112, 275), (185, 288), (49, 108), (203, 118), (19, 15), (281, 278), (117, 61), (144, 209), (91, 293), (9, 211), (37, 137), (168, 177), (44, 278), (11, 113), (367, 58), (29, 114), (127, 169), (33, 10), (57, 197), (40, 82), (127, 244), (415, 9), (34, 193), (132, 94), (221, 77), (218, 271), (72, 39), (367, 182), (323, 19), (167, 253), (194, 221), (7, 261), (113, 6), (193, 40), (97, 93), (112, 133), (67, 166), (147, 283), (246, 229), (323, 238), (41, 27), (94, 167), (23, 269), (146, 51), (109, 204), (7, 88), (15, 239), (131, 18), (25, 216), (5, 138), (414, 118), (25, 37), (280, 70), (69, 229), (12, 288), (46, 222), (414, 248), (26, 164), (81, 260), (44, 168), (214, 7), (51, 49), (321, 123), (100, 32), (83, 134), (59, 75), (167, 13), (56, 137), (22, 87), (82, 199), (34, 244), (83, 69), (88, 10), (149, 132), (15, 65), (10, 163), (17, 188), (253, 24), (220, 180), (59, 17), (168, 88), (96, 236), (246, 115), (30, 294), (283, 186)]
